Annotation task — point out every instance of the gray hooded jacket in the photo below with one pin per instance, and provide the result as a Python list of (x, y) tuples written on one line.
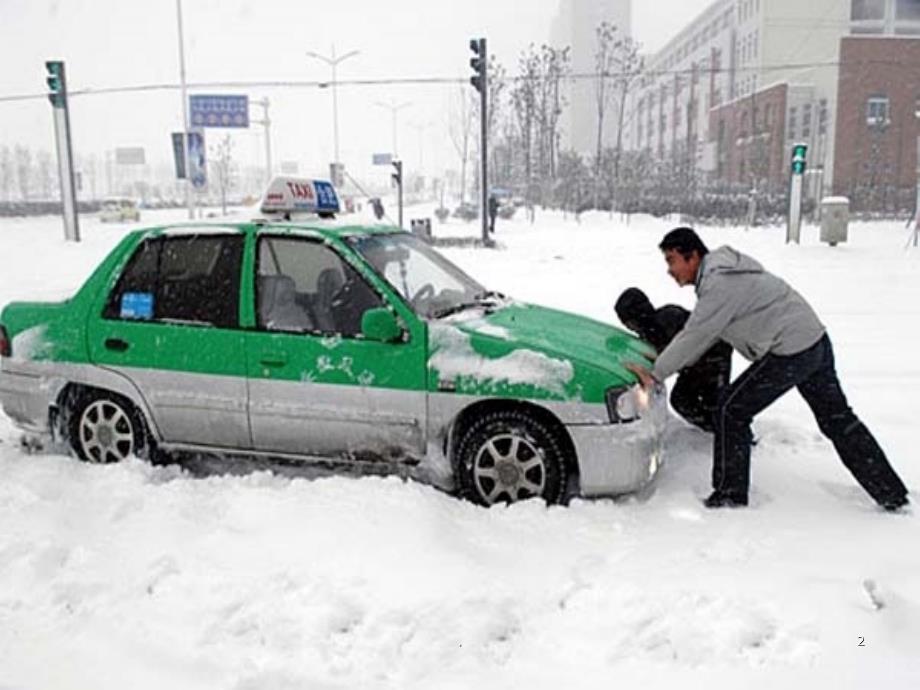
[(741, 303)]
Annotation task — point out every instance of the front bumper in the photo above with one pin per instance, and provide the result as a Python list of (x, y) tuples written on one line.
[(621, 458)]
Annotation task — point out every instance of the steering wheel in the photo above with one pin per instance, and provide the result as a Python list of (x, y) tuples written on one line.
[(423, 294)]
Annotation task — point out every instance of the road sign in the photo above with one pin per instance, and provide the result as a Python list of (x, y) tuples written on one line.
[(219, 111), (197, 161), (383, 158)]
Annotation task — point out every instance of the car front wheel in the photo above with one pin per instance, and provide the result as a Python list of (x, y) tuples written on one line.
[(508, 456)]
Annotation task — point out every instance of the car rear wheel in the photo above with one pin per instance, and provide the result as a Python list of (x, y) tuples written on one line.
[(507, 456), (106, 428)]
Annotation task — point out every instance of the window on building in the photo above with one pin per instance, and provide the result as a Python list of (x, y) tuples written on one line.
[(793, 123), (877, 111), (867, 9), (806, 121), (768, 115), (908, 10), (822, 117)]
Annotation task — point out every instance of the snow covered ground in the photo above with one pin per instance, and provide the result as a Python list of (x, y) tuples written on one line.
[(138, 577)]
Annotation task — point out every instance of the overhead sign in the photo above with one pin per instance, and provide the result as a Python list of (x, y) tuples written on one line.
[(219, 111), (299, 195), (383, 158), (130, 155)]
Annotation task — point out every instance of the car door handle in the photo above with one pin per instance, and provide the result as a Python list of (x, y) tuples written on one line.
[(273, 360), (116, 344)]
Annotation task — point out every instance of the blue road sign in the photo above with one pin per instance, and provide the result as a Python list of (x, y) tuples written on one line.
[(197, 161), (219, 111)]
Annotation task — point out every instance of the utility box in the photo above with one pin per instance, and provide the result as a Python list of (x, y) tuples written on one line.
[(421, 227), (835, 219)]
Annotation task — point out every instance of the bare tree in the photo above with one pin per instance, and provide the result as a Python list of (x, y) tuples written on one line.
[(524, 103), (6, 173), (604, 66), (23, 157), (628, 65), (462, 111), (44, 173), (221, 165)]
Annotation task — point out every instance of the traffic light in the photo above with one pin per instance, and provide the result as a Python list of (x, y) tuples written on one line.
[(478, 63), (397, 176), (799, 154), (56, 84)]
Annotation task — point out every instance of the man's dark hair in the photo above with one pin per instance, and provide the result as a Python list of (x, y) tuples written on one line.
[(685, 241), (633, 306)]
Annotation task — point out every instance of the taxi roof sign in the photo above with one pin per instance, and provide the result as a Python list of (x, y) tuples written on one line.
[(289, 195)]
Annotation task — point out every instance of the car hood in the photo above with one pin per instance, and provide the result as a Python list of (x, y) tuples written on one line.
[(550, 353)]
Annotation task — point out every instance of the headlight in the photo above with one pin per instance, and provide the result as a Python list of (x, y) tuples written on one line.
[(626, 404)]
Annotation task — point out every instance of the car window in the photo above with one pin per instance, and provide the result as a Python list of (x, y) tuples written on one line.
[(191, 279), (305, 286)]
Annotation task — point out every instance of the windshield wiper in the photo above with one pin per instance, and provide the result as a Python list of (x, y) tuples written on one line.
[(478, 299)]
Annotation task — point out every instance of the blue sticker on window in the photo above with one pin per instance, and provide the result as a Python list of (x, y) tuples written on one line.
[(137, 305)]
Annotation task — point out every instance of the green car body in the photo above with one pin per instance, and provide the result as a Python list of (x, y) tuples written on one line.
[(305, 341)]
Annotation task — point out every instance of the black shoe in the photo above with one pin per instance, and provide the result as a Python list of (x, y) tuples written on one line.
[(893, 505), (726, 499)]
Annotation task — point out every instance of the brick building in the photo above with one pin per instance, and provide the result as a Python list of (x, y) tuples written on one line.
[(748, 78), (878, 121)]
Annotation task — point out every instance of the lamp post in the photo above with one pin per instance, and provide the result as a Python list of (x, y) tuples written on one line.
[(394, 109), (185, 127), (917, 202), (333, 61)]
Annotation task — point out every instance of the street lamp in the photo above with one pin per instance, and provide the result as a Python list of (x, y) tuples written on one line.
[(394, 109), (420, 128), (333, 61)]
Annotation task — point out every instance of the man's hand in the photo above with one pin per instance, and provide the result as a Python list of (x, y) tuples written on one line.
[(645, 376)]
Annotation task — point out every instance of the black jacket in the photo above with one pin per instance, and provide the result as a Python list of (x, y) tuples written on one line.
[(661, 325)]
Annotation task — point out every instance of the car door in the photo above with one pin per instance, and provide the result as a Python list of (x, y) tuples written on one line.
[(171, 326), (316, 386)]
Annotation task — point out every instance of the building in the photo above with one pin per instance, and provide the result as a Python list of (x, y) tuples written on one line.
[(747, 78), (575, 26)]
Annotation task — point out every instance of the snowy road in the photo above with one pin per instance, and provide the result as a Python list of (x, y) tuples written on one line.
[(142, 577)]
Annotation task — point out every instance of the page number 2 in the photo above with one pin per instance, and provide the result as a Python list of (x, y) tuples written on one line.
[(862, 642)]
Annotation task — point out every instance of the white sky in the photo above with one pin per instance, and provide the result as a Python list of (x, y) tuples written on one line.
[(128, 42)]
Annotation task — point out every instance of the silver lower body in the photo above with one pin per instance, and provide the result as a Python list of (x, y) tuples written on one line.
[(612, 459)]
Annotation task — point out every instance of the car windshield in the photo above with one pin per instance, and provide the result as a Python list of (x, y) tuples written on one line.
[(431, 284)]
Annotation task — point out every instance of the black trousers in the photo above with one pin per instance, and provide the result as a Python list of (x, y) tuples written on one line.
[(695, 395), (812, 372)]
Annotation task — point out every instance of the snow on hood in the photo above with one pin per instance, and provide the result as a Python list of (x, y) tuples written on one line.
[(454, 356)]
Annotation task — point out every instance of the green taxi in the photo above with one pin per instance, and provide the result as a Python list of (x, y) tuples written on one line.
[(320, 341)]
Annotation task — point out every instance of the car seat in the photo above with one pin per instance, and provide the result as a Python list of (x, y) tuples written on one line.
[(278, 308)]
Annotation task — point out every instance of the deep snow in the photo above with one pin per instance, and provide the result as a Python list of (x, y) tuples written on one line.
[(143, 577)]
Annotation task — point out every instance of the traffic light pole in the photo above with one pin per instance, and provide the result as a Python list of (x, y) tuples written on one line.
[(794, 223), (481, 82), (57, 82), (398, 179)]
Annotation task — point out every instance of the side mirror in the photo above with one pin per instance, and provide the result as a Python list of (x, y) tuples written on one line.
[(380, 325)]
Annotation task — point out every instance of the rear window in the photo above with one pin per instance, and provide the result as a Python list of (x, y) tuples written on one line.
[(191, 279)]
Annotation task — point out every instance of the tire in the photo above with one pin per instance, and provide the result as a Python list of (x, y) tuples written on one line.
[(104, 428), (507, 456)]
